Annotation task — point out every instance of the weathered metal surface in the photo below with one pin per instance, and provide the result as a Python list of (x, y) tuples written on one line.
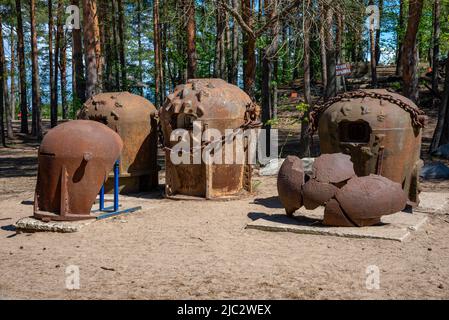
[(290, 180), (75, 159), (381, 130), (334, 216), (349, 201), (134, 119), (219, 105), (317, 193), (333, 168), (365, 198)]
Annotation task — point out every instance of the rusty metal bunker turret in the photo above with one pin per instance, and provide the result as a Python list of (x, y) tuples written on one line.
[(134, 119), (75, 159), (379, 129), (215, 104)]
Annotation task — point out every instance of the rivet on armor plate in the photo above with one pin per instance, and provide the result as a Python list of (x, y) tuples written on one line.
[(185, 93), (365, 110), (346, 109)]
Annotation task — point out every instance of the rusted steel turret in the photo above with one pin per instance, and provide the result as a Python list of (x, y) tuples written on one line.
[(214, 104), (379, 129), (134, 119), (75, 159), (349, 201)]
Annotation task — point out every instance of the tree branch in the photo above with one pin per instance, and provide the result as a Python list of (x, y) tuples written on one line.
[(239, 19), (276, 18)]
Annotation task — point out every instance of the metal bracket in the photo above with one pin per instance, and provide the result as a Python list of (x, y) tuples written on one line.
[(114, 210)]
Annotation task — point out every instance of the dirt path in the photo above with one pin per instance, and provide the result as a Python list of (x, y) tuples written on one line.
[(201, 250)]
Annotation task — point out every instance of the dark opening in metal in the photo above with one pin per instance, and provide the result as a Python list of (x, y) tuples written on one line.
[(354, 131), (182, 121)]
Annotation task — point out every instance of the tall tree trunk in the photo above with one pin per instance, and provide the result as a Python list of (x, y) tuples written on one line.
[(157, 54), (339, 45), (98, 53), (410, 51), (59, 30), (436, 47), (323, 49), (12, 93), (373, 48), (379, 31), (228, 47), (121, 34), (400, 38), (36, 94), (6, 99), (441, 134), (116, 45), (63, 72), (249, 51), (90, 43), (191, 38), (78, 64), (286, 59), (53, 83), (220, 60), (139, 44), (234, 70), (304, 144), (106, 21), (331, 87), (268, 58), (163, 49), (22, 72), (2, 86)]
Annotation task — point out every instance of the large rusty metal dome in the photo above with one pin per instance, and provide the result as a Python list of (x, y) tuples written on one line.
[(220, 104), (215, 104), (134, 119), (74, 160), (379, 129)]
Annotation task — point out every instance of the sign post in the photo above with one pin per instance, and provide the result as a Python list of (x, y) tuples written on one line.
[(342, 70)]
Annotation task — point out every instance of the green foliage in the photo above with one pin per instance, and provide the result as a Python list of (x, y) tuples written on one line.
[(304, 109), (272, 122)]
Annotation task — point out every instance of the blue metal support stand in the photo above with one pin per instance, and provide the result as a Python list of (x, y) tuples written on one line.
[(113, 211)]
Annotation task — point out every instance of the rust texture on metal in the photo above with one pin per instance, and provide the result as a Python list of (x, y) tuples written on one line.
[(349, 201), (134, 118), (218, 105), (333, 168), (379, 129), (317, 193), (291, 178), (370, 197), (75, 159)]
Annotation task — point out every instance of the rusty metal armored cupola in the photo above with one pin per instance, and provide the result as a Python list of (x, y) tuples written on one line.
[(381, 130), (134, 119), (215, 104), (71, 173)]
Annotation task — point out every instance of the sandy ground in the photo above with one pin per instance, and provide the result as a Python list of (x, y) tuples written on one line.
[(201, 250)]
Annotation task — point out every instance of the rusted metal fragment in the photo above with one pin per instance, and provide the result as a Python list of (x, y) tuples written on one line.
[(215, 104), (333, 168), (381, 131), (334, 216), (317, 194), (134, 119), (289, 183), (367, 222), (74, 161), (371, 197)]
